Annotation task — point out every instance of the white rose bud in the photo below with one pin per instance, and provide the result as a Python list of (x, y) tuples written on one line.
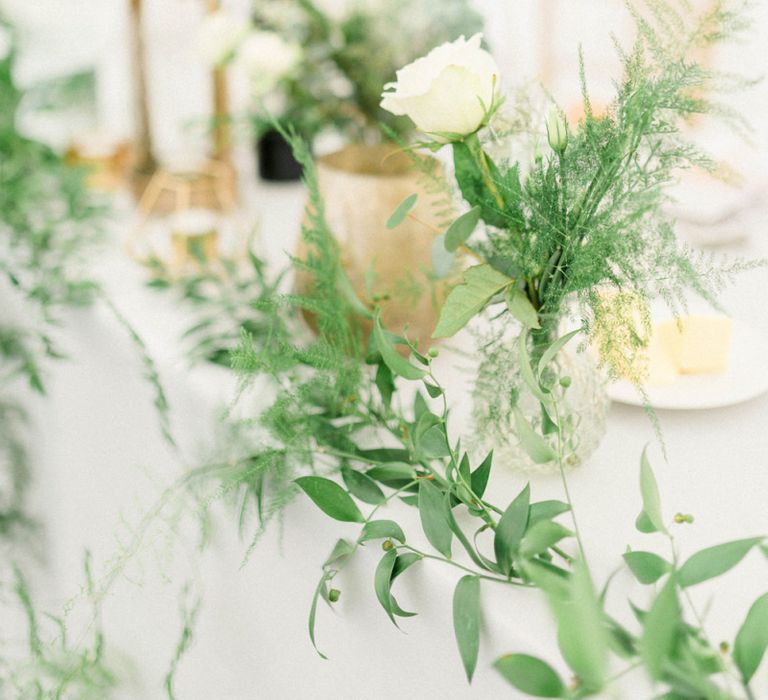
[(219, 36), (557, 131), (450, 89), (266, 58)]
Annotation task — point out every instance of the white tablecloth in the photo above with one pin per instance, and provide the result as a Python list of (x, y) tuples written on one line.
[(101, 464)]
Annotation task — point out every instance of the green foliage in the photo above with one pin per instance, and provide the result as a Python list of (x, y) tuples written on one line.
[(531, 676), (56, 668), (466, 621), (224, 301), (347, 61), (752, 639), (48, 221), (481, 283), (590, 217), (405, 208)]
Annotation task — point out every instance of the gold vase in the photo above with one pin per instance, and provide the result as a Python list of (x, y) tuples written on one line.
[(361, 187)]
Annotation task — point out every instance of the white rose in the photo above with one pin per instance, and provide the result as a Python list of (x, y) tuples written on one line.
[(445, 90), (266, 58), (219, 36)]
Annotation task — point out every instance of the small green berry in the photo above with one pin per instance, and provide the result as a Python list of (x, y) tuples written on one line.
[(387, 545), (433, 352), (681, 518), (565, 382), (334, 594)]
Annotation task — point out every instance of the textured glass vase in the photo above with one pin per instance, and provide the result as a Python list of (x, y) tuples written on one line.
[(579, 387)]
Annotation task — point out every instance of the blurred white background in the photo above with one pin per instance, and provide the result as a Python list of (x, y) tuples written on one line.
[(532, 39)]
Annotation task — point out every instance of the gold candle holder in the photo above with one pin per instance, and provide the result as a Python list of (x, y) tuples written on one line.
[(194, 239)]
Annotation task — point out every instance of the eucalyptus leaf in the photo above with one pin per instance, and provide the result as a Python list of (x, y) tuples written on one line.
[(646, 566), (380, 530), (535, 445), (531, 676), (461, 229), (432, 390), (392, 358), (660, 629), (715, 561), (510, 530), (466, 621), (330, 498), (442, 261), (520, 307), (752, 639), (433, 520), (481, 283), (404, 208)]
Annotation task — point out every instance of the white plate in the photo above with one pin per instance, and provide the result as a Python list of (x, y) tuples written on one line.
[(746, 378)]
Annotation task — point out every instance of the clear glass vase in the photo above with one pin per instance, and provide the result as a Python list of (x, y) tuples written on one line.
[(579, 388)]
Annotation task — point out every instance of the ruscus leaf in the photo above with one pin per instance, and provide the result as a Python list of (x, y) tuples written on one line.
[(361, 486), (715, 561), (649, 491), (433, 520), (535, 445), (380, 530), (466, 621), (510, 529), (392, 358), (752, 639), (330, 498), (661, 625), (479, 477), (647, 566), (382, 582), (531, 676)]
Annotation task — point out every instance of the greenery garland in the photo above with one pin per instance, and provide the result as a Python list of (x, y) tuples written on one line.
[(49, 221), (337, 394)]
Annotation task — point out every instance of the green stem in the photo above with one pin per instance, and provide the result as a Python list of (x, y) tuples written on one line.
[(466, 569), (567, 491)]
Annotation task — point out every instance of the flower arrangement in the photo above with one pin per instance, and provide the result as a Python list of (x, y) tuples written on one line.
[(322, 65)]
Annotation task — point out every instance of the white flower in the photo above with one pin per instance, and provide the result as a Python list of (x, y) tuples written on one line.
[(266, 58), (219, 36), (557, 131), (6, 43), (448, 90)]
